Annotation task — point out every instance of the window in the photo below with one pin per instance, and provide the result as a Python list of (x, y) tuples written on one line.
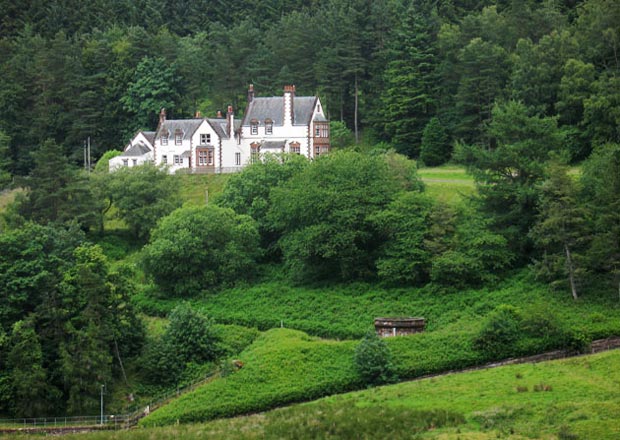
[(202, 158), (268, 126), (125, 162), (317, 131), (209, 157), (254, 153), (237, 158), (164, 138), (178, 160), (295, 148), (205, 139), (178, 137), (135, 162), (164, 159), (253, 126)]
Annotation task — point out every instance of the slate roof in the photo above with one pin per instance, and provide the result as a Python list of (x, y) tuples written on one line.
[(273, 144), (150, 136), (219, 125), (136, 150), (273, 108), (187, 127)]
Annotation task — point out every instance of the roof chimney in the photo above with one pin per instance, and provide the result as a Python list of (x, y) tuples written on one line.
[(219, 114), (162, 116), (198, 114), (289, 99), (230, 125), (251, 93)]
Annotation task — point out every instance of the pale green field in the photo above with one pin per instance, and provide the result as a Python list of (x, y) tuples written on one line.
[(576, 398), (448, 184)]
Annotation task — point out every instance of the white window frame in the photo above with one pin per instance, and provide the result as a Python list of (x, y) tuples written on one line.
[(268, 128), (178, 138), (164, 159), (237, 158), (164, 139), (254, 129), (178, 160), (205, 138)]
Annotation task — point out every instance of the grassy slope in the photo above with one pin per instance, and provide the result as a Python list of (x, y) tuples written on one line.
[(583, 403), (348, 311)]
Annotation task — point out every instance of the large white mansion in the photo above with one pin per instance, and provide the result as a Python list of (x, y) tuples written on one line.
[(277, 124)]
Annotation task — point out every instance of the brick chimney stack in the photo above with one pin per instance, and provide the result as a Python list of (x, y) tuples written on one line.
[(289, 99), (230, 117), (219, 114), (162, 117), (251, 93)]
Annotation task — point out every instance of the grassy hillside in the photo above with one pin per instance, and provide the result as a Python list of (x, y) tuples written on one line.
[(569, 399), (348, 311)]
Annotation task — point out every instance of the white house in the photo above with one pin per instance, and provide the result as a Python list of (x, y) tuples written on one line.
[(137, 152), (278, 124)]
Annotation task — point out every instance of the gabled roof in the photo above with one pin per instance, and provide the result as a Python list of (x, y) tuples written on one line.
[(149, 135), (220, 125), (187, 126), (139, 149), (273, 108)]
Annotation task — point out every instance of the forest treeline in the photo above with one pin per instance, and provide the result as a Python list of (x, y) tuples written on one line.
[(515, 90), (394, 68)]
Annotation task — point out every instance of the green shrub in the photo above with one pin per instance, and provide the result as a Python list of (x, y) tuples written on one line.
[(500, 332), (373, 360), (191, 334)]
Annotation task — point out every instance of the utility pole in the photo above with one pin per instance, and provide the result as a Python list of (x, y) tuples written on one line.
[(88, 154), (85, 162), (102, 388)]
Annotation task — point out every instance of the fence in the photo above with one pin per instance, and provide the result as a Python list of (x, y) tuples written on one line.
[(110, 421)]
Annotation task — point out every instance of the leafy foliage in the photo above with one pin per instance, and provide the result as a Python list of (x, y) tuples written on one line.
[(142, 195), (373, 361), (208, 245), (326, 232)]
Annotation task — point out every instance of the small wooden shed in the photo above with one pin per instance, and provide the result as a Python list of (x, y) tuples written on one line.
[(386, 327)]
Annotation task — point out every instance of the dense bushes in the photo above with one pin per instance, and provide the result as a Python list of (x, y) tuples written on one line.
[(373, 360), (197, 248), (189, 338), (508, 331)]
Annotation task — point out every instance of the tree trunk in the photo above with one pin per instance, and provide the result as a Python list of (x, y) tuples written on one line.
[(120, 362), (355, 113), (571, 272)]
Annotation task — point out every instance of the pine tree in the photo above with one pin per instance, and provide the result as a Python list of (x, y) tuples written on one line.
[(561, 231), (435, 149), (410, 97)]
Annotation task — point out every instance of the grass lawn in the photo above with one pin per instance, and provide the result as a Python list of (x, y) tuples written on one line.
[(448, 184)]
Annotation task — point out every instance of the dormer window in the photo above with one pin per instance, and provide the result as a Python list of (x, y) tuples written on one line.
[(268, 126), (254, 126), (164, 138), (178, 137), (205, 139)]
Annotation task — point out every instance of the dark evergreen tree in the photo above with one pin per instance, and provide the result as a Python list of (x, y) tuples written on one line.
[(436, 148), (411, 79), (561, 231), (508, 174), (484, 72)]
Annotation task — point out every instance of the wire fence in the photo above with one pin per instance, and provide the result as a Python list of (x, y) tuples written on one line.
[(109, 421)]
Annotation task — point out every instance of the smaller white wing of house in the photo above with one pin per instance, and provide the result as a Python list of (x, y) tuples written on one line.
[(138, 152)]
